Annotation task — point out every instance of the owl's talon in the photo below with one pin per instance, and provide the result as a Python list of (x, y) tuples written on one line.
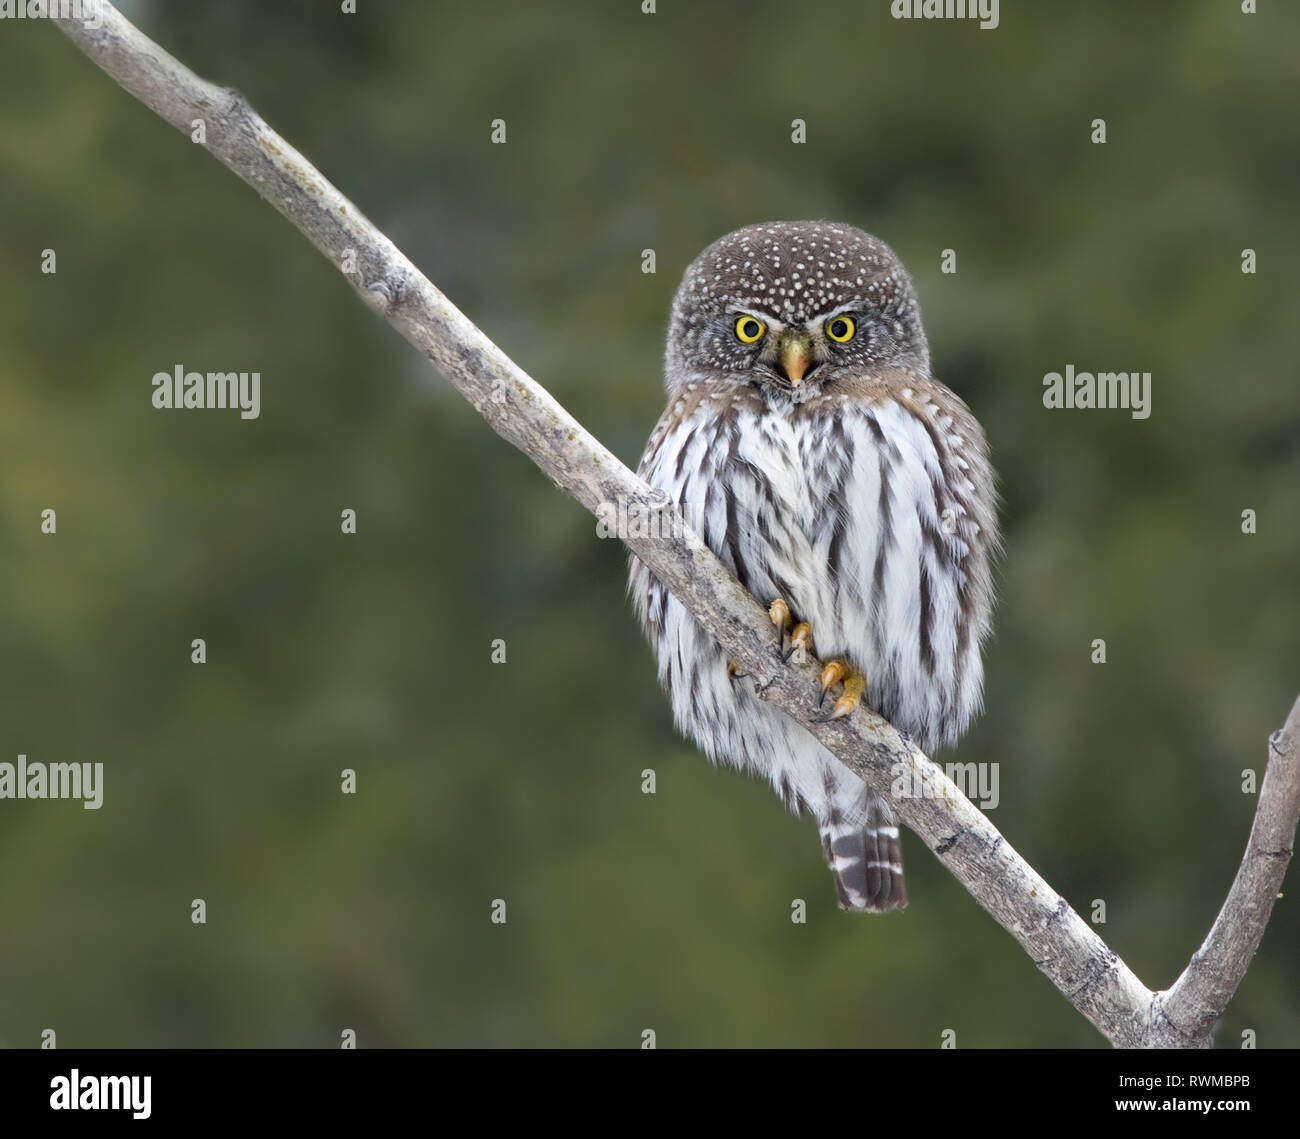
[(833, 672), (733, 671), (800, 638), (779, 611), (855, 684)]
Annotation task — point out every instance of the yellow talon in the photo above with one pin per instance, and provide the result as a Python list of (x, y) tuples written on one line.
[(800, 634), (779, 611), (832, 674), (855, 684)]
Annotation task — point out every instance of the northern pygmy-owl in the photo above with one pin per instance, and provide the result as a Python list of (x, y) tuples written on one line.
[(808, 444)]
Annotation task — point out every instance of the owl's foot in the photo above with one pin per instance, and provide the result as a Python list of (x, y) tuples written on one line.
[(800, 634), (853, 685), (733, 671)]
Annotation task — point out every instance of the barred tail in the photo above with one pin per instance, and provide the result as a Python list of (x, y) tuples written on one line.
[(866, 861)]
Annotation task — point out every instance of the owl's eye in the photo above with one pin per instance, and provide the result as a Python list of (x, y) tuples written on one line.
[(748, 329), (841, 329)]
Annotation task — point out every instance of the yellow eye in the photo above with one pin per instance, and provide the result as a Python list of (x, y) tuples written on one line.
[(748, 329), (841, 329)]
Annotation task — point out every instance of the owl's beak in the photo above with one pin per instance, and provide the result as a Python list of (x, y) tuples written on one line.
[(795, 358)]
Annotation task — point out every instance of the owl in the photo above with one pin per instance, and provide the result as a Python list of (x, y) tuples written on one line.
[(807, 443)]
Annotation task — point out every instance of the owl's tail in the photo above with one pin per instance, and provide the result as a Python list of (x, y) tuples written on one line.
[(866, 861)]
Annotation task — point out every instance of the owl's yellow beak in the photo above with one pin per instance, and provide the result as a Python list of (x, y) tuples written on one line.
[(795, 358)]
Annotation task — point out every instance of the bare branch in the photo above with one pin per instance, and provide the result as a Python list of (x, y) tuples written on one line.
[(1092, 977), (1195, 1001)]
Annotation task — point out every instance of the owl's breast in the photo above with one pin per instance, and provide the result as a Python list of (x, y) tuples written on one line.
[(856, 515), (904, 539)]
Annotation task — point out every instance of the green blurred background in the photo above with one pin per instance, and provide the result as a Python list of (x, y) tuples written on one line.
[(522, 781)]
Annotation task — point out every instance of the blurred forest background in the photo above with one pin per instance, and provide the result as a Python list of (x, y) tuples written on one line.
[(522, 781)]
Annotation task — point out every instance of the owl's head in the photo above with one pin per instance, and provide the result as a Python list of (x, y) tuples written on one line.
[(791, 307)]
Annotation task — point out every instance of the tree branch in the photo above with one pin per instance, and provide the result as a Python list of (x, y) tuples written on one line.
[(1196, 1000), (1092, 977)]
